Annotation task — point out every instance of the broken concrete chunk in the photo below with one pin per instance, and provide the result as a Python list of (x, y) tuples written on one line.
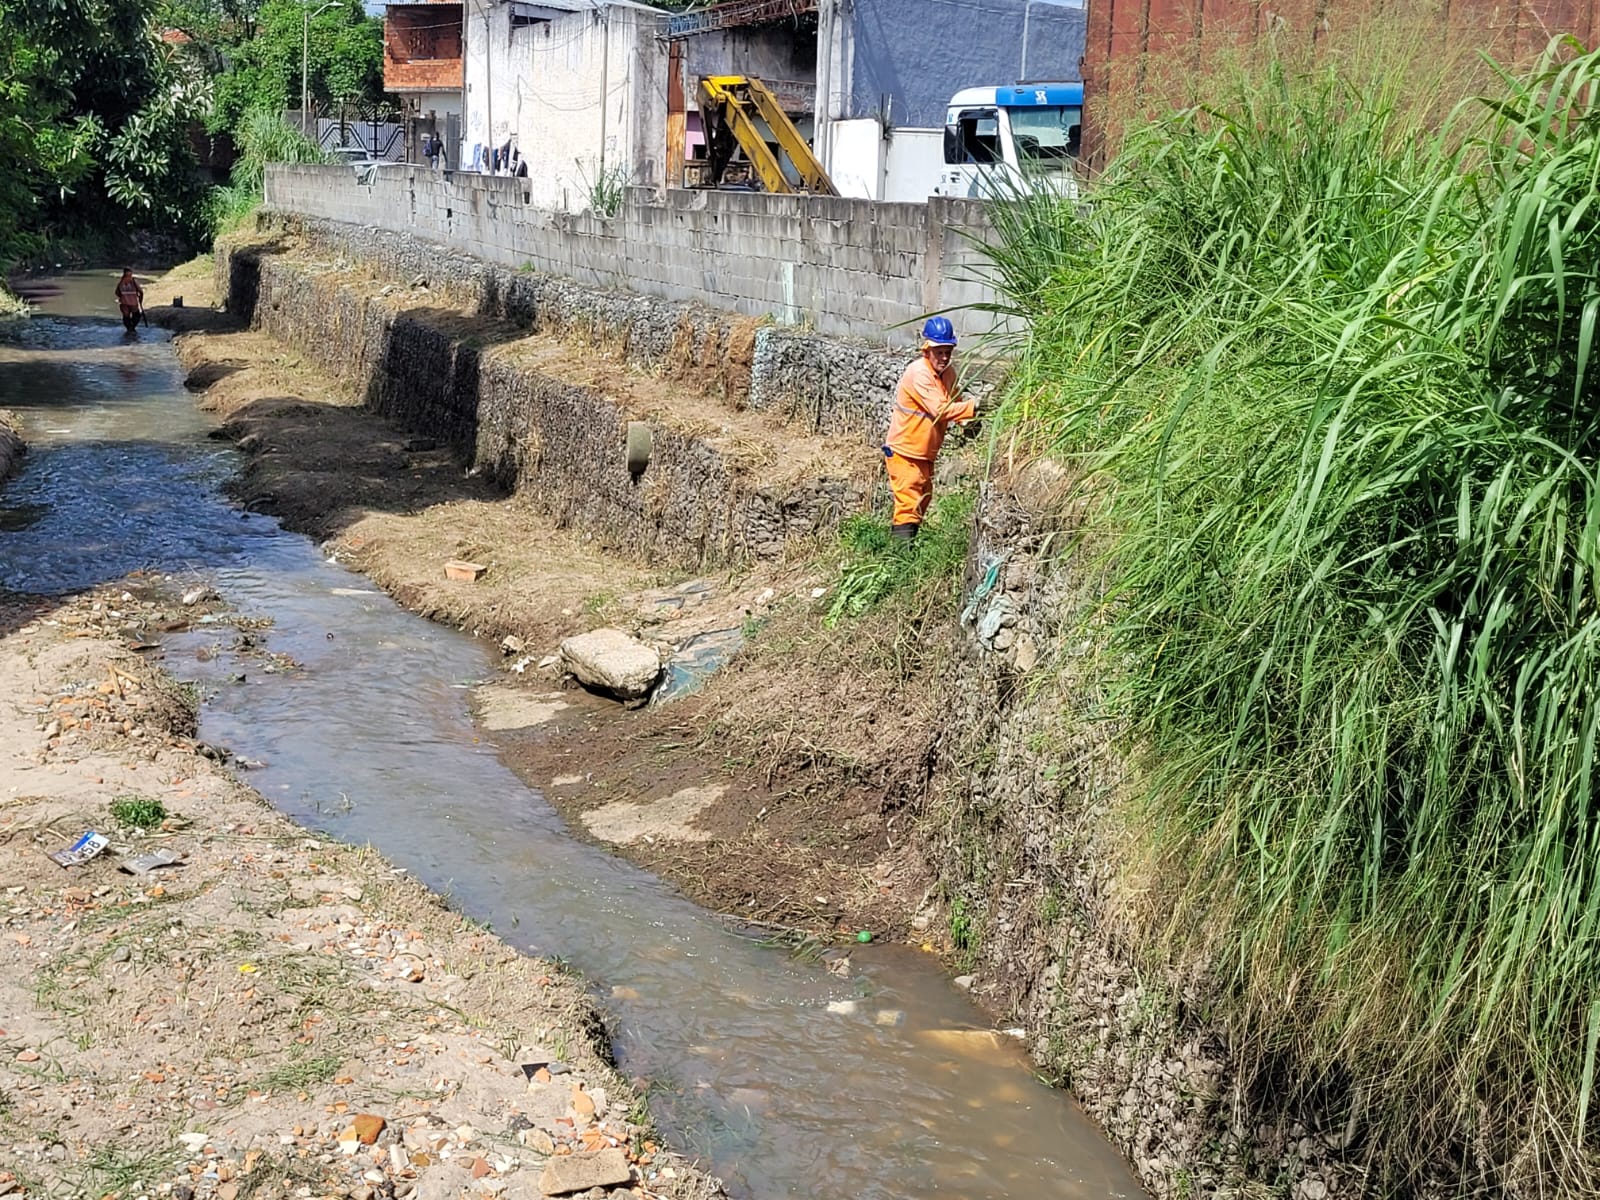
[(611, 661), (570, 1173)]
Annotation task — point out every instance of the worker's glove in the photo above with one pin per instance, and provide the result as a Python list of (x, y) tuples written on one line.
[(979, 407)]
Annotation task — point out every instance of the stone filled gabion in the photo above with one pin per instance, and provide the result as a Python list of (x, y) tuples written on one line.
[(561, 443), (1022, 841), (831, 385)]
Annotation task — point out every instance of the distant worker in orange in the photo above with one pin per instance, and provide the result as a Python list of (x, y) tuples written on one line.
[(926, 403), (130, 296)]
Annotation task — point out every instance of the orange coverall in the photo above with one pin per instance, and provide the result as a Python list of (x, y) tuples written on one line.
[(129, 294), (925, 404)]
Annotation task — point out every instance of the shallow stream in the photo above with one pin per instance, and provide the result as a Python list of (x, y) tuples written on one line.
[(785, 1079)]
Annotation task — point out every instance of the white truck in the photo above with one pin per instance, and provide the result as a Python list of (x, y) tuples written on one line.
[(1006, 138)]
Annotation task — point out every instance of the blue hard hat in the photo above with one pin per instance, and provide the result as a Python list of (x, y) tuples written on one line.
[(937, 331)]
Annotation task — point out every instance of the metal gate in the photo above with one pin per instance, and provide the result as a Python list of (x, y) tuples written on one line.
[(375, 128)]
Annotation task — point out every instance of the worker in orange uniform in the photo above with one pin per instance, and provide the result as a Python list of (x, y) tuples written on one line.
[(130, 296), (926, 402)]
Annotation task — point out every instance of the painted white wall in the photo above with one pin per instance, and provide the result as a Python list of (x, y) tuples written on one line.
[(547, 82), (441, 104), (913, 159), (478, 28), (857, 166), (898, 166)]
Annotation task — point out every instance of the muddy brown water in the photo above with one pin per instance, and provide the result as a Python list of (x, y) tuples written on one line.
[(783, 1078)]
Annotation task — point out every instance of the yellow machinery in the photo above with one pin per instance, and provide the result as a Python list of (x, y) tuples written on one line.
[(734, 109)]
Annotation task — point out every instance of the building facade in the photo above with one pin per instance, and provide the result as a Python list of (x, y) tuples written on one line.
[(571, 92), (878, 74), (422, 66)]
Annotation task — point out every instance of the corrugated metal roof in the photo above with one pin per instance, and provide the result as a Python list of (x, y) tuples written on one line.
[(735, 14)]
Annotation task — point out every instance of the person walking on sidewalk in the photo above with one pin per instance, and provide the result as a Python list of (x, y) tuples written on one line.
[(926, 404)]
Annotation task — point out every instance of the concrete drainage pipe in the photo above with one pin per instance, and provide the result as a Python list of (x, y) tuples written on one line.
[(640, 443)]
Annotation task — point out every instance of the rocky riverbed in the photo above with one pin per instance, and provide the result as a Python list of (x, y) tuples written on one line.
[(270, 1013)]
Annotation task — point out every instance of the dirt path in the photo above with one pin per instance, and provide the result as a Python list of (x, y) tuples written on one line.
[(275, 1014), (775, 795)]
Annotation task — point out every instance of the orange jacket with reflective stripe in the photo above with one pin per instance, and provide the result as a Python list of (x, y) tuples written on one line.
[(925, 404)]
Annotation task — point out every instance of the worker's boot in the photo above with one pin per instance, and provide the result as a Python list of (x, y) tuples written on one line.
[(904, 531)]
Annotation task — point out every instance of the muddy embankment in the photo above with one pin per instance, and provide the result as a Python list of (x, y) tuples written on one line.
[(270, 1013), (945, 780), (11, 445)]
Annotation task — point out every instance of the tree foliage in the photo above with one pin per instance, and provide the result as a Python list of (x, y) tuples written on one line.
[(262, 67), (94, 118)]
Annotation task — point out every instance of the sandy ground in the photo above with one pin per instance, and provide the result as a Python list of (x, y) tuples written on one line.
[(274, 1015), (775, 795)]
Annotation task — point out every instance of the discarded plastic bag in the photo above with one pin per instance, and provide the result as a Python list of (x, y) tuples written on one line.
[(143, 864)]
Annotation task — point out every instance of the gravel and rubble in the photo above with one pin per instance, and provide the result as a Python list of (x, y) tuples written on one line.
[(271, 1014)]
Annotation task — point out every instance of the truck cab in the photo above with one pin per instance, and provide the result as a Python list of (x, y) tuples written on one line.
[(1001, 139)]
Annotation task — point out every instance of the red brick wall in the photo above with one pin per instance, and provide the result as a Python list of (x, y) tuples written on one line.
[(422, 46), (1128, 40)]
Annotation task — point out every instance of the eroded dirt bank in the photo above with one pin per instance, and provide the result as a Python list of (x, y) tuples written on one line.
[(275, 1014), (11, 445)]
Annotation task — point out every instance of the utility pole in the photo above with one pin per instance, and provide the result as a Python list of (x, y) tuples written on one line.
[(1022, 69), (604, 13), (305, 62), (488, 78)]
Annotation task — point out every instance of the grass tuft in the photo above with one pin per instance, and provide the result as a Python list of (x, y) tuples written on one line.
[(877, 568), (138, 812)]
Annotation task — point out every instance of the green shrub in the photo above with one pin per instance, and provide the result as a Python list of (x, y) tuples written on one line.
[(876, 567), (229, 207), (1326, 375), (138, 812), (263, 137)]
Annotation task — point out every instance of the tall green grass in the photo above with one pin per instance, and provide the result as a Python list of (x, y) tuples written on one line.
[(263, 137), (875, 569), (1326, 374)]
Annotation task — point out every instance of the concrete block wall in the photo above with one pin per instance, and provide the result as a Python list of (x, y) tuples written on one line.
[(828, 385), (842, 267)]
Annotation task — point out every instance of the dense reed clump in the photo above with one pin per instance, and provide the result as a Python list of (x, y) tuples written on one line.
[(1327, 375)]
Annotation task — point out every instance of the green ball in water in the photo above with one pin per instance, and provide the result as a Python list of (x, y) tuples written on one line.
[(864, 936)]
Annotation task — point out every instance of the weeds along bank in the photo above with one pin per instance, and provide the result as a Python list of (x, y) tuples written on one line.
[(1311, 741)]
